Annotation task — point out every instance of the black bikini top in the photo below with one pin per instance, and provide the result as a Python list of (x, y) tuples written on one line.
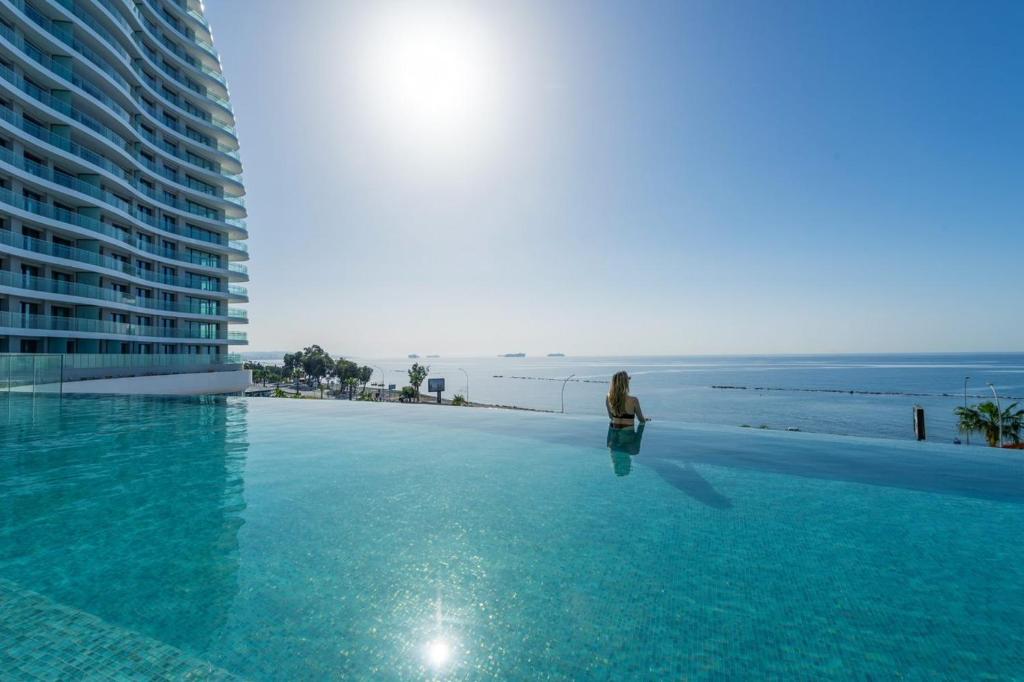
[(622, 416)]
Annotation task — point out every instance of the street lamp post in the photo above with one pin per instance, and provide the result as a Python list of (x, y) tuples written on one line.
[(563, 390), (999, 414), (965, 407), (467, 382), (383, 380)]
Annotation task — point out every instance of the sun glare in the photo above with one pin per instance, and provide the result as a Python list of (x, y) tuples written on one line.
[(429, 75), (438, 653)]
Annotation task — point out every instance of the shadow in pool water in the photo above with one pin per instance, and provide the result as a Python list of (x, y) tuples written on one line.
[(624, 444), (685, 478), (976, 472), (968, 471)]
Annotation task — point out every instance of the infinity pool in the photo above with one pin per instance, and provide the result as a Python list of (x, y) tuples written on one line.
[(285, 540)]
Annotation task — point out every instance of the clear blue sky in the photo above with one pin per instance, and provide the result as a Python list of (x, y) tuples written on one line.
[(630, 177)]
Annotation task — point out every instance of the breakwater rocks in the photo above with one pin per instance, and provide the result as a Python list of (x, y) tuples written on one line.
[(851, 391), (784, 389), (573, 380)]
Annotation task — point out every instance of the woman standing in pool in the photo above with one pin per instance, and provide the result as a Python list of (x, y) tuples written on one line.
[(622, 407)]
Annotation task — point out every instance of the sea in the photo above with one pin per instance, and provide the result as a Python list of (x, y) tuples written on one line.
[(863, 395)]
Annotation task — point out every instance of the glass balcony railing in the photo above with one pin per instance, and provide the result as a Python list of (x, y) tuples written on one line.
[(60, 32), (65, 36), (86, 18), (171, 71), (100, 227), (144, 361), (238, 314), (198, 331), (90, 21), (49, 372), (84, 83), (238, 337), (30, 372), (102, 162), (108, 295), (169, 43), (15, 37), (114, 12), (192, 10), (198, 17), (123, 267), (183, 81), (178, 31), (64, 107), (64, 143), (236, 290), (179, 28)]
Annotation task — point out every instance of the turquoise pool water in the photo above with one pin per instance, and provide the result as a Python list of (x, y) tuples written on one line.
[(284, 540)]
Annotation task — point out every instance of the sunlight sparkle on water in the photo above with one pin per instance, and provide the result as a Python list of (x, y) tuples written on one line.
[(438, 652)]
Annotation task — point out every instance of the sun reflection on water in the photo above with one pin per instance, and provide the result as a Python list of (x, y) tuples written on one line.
[(439, 652)]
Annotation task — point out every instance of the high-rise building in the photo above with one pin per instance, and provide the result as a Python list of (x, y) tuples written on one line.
[(122, 229)]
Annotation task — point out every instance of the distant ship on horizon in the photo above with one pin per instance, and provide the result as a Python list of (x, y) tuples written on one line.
[(513, 355), (556, 355), (433, 356), (413, 356)]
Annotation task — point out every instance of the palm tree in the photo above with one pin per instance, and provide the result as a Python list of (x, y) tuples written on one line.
[(986, 419), (417, 373)]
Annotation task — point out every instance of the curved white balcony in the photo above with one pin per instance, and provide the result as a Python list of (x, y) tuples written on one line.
[(45, 28), (87, 20), (70, 150), (55, 325), (141, 179), (76, 293)]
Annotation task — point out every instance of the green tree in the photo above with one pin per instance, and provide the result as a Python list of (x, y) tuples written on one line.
[(364, 376), (986, 419), (417, 373), (293, 367), (344, 372), (316, 364), (264, 374), (258, 375)]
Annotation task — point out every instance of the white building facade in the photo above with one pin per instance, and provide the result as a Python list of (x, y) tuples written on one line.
[(122, 230)]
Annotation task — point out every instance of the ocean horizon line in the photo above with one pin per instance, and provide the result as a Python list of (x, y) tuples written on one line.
[(584, 356)]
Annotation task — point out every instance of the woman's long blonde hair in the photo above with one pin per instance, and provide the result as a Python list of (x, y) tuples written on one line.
[(618, 392)]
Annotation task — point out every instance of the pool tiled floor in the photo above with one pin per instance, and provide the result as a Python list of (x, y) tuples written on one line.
[(43, 640)]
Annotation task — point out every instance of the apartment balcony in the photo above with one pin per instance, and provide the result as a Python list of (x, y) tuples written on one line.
[(237, 294), (235, 227), (117, 267), (77, 293), (214, 267), (130, 183), (238, 316), (107, 329), (238, 272), (202, 118)]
